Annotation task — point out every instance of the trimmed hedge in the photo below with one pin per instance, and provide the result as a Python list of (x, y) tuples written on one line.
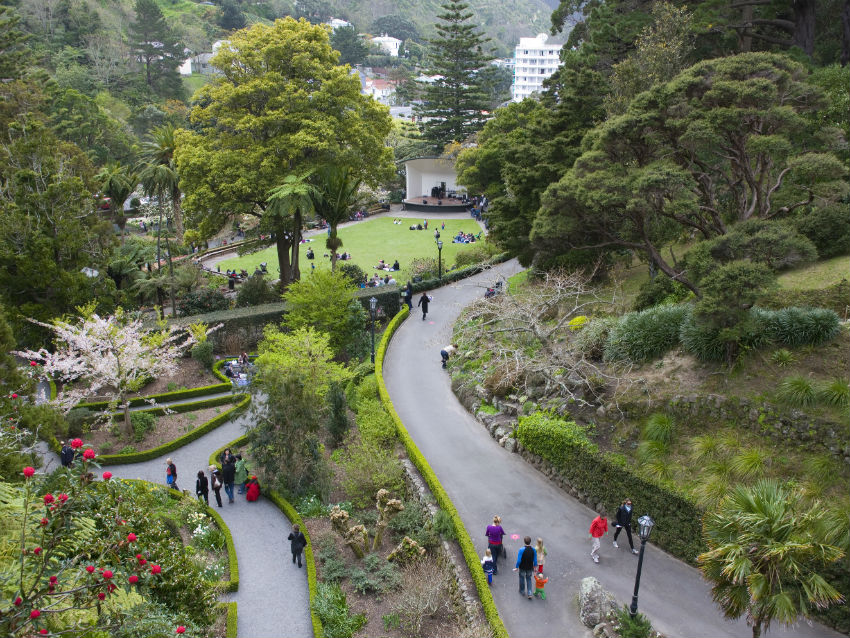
[(233, 583), (180, 408), (147, 455), (284, 506), (678, 521), (473, 561), (231, 622), (164, 397)]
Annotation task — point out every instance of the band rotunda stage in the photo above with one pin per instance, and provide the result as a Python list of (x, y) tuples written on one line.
[(432, 186)]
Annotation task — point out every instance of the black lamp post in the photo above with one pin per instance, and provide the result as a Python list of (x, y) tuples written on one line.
[(645, 524), (440, 259), (373, 303)]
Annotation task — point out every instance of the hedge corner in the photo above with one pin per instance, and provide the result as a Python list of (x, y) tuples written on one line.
[(231, 622)]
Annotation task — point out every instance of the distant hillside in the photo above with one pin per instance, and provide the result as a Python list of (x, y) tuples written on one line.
[(504, 21)]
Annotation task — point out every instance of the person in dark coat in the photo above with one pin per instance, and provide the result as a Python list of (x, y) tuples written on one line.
[(297, 543), (216, 483), (202, 487), (624, 521), (66, 455), (228, 476), (408, 296), (424, 300)]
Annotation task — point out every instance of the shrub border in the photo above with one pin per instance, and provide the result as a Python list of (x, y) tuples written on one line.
[(165, 396), (212, 424), (160, 410), (443, 500), (231, 622), (295, 518)]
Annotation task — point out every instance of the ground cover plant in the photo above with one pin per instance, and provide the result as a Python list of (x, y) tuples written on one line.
[(371, 240)]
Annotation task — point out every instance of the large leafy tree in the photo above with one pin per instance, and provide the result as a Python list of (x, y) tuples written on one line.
[(766, 555), (529, 145), (281, 106), (158, 48), (395, 26), (352, 49), (724, 141), (454, 103)]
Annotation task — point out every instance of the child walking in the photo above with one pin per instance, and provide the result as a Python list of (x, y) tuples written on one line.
[(487, 564), (541, 555), (539, 583)]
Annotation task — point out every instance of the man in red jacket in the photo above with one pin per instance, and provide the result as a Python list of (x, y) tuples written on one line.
[(598, 528)]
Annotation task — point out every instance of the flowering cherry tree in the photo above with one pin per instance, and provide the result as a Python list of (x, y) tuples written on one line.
[(113, 355)]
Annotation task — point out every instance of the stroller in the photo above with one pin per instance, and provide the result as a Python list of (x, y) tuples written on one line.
[(494, 290)]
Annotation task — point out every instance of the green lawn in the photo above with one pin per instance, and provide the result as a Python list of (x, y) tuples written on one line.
[(195, 81), (820, 274), (370, 241)]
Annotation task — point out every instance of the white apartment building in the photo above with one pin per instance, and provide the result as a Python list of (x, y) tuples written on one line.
[(534, 61), (388, 44)]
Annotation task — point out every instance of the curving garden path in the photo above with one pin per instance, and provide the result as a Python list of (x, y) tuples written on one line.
[(484, 479), (273, 599)]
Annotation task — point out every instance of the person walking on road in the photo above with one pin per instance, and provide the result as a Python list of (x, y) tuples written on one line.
[(202, 487), (494, 535), (539, 583), (598, 528), (526, 561), (216, 483), (171, 474), (228, 475), (297, 543), (624, 521), (541, 555), (487, 565), (424, 300)]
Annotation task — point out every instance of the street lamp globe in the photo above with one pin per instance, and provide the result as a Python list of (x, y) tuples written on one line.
[(373, 303), (645, 523)]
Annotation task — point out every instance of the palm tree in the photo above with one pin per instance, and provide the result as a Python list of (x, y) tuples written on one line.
[(117, 182), (764, 548), (286, 206), (159, 151), (156, 180), (336, 195)]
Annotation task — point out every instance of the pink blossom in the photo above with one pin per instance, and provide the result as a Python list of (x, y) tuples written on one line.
[(90, 569), (33, 363), (35, 613), (14, 396), (89, 454), (131, 537), (133, 579), (77, 443), (18, 601), (29, 471), (43, 632), (54, 579), (181, 629), (107, 476), (36, 551), (156, 569), (107, 574)]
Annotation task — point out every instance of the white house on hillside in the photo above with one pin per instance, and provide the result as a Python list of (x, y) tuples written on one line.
[(535, 60), (336, 23), (388, 44)]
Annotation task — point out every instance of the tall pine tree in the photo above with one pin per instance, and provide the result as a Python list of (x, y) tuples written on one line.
[(454, 102), (157, 49)]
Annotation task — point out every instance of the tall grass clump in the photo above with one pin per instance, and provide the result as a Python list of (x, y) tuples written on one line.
[(835, 393), (803, 326), (797, 390), (590, 339), (645, 335)]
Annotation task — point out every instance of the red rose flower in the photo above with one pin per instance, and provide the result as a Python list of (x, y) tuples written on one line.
[(76, 443), (133, 579), (89, 454), (48, 498), (44, 522), (107, 476), (107, 574), (156, 569), (35, 613), (29, 471), (131, 537), (90, 569), (18, 601), (181, 629), (63, 498), (37, 551), (14, 396), (33, 363), (101, 595)]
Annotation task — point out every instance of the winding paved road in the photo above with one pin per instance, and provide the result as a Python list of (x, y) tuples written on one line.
[(273, 599), (484, 479)]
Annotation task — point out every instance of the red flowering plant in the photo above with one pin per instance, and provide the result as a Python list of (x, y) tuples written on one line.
[(79, 569)]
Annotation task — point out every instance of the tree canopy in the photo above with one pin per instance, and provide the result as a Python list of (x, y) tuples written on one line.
[(280, 106)]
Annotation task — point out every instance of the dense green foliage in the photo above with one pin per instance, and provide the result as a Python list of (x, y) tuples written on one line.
[(644, 335)]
